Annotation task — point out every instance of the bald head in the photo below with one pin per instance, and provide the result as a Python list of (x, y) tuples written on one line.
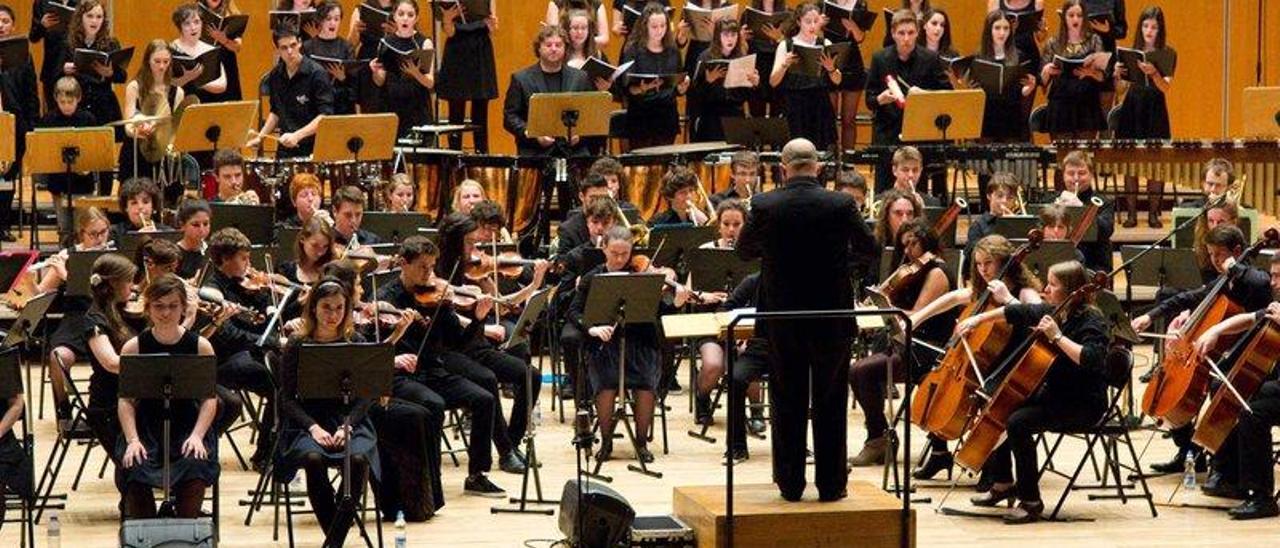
[(800, 158)]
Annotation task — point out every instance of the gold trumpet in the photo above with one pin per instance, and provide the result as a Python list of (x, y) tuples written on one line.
[(247, 197), (1022, 202)]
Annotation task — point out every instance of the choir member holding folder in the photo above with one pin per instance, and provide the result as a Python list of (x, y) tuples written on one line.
[(403, 71), (49, 22), (582, 40), (224, 28), (1148, 71), (1006, 77), (1073, 78), (1027, 20), (197, 66), (653, 82), (804, 72), (559, 10), (762, 28), (468, 73), (717, 94), (18, 96), (847, 23), (335, 55)]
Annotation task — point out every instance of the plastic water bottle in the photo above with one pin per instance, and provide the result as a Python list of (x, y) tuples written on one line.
[(54, 539), (401, 539), (1189, 472)]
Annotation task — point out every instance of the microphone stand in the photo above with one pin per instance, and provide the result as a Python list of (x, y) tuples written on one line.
[(1163, 239)]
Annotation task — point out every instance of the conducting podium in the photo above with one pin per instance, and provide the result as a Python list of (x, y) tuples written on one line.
[(67, 151)]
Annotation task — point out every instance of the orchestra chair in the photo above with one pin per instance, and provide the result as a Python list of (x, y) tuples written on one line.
[(459, 428), (719, 391), (362, 506), (72, 427), (1110, 433)]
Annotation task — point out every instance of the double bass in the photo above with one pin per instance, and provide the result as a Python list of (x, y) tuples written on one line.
[(943, 402), (1178, 386), (1023, 373), (1255, 359)]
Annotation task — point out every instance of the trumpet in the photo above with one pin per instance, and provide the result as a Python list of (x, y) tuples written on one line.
[(148, 225), (247, 197), (1022, 202), (324, 216), (639, 232)]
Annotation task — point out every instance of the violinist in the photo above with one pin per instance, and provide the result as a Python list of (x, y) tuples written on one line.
[(600, 214), (313, 248), (139, 199), (104, 333), (348, 211), (679, 188), (731, 214), (194, 444), (896, 209), (1019, 285), (421, 376), (240, 359), (1002, 199), (1073, 395), (155, 258), (194, 217), (488, 214), (398, 194), (744, 168), (750, 365), (1077, 174), (304, 194), (1253, 442), (922, 279), (643, 367), (573, 232)]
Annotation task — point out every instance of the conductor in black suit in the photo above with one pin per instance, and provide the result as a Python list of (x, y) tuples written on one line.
[(548, 75), (806, 236)]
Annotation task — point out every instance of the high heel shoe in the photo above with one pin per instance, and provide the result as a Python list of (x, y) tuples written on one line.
[(994, 497), (935, 462), (1025, 512)]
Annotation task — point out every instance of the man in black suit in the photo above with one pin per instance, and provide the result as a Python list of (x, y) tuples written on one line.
[(548, 75), (805, 236)]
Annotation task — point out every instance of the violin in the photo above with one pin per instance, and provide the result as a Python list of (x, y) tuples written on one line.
[(211, 302), (904, 276), (1179, 385), (256, 281), (1023, 374), (643, 263), (433, 295), (510, 264)]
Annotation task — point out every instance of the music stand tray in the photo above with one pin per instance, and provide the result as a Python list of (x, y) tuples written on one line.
[(1111, 308), (392, 226), (363, 370), (88, 149), (718, 269), (23, 328), (948, 115), (255, 221), (532, 311), (188, 377), (756, 133), (1013, 227), (211, 126), (673, 243), (568, 115), (1261, 106), (1162, 267), (629, 298), (355, 138), (79, 266)]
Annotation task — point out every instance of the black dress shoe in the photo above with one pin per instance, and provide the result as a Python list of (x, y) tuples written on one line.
[(1025, 512), (644, 454), (792, 495), (984, 483), (935, 462), (511, 464), (606, 450), (832, 497), (1178, 462), (1255, 508), (738, 454), (1217, 486), (994, 497)]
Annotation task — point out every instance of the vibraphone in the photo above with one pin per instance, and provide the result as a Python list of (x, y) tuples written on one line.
[(1027, 161)]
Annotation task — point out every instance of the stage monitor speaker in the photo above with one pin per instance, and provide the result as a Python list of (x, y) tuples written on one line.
[(604, 515)]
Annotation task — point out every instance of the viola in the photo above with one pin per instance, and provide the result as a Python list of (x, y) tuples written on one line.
[(1023, 373), (644, 264), (510, 264), (1254, 359), (1179, 385), (943, 402), (904, 276), (434, 295)]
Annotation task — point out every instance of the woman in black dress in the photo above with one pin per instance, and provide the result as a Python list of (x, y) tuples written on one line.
[(468, 73), (708, 90), (1073, 110), (105, 331), (1006, 110), (329, 45), (19, 97), (313, 249), (1144, 114), (935, 36), (229, 46), (1028, 28), (652, 118), (854, 74), (365, 38), (406, 89), (193, 446), (152, 92), (582, 44), (807, 98), (766, 101), (312, 436), (558, 14)]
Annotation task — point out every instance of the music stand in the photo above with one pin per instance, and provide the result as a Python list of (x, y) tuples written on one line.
[(1013, 226), (286, 240), (12, 265), (168, 377), (355, 138), (211, 126), (948, 115), (719, 269), (67, 151), (392, 226), (1261, 106), (344, 372), (79, 266), (756, 133), (256, 222), (131, 240), (533, 310), (569, 115), (673, 243), (624, 300), (1049, 253)]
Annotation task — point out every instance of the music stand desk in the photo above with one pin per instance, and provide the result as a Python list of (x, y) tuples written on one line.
[(948, 115), (355, 138), (211, 126), (569, 115)]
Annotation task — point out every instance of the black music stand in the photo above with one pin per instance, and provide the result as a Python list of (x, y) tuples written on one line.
[(131, 240), (79, 266), (392, 226), (286, 242), (23, 328), (168, 377), (255, 221), (673, 243), (719, 269), (344, 372), (1049, 253), (11, 387), (756, 133), (623, 300), (1013, 227), (1162, 267), (12, 265), (533, 310)]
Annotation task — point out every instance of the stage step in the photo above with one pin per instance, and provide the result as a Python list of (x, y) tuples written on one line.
[(869, 517)]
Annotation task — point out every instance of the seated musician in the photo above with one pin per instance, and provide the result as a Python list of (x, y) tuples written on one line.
[(421, 376), (744, 169), (69, 114), (908, 166), (488, 214), (1019, 285), (1073, 395), (240, 359), (1077, 174), (894, 210), (1253, 441), (15, 464), (918, 248), (466, 194), (194, 217), (477, 358), (299, 93), (193, 445), (304, 194), (139, 199), (312, 437), (105, 332), (348, 212), (600, 214), (313, 249), (573, 231), (398, 194), (1218, 176), (548, 75), (731, 214), (156, 257), (1250, 289), (1056, 223), (853, 183), (679, 188), (1225, 212), (1002, 199), (515, 290), (750, 365), (616, 178), (92, 233), (643, 364), (228, 171)]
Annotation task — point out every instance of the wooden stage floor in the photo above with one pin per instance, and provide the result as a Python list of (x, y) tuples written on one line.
[(90, 518)]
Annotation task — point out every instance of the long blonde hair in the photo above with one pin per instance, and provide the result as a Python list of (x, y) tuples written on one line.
[(146, 80)]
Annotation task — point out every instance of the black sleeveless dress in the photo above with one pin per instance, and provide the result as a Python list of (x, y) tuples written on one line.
[(150, 422), (808, 106), (935, 330), (1144, 114)]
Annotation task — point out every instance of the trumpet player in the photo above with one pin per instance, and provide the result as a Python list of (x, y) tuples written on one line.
[(1002, 199), (138, 199), (228, 171), (1077, 174), (304, 193), (680, 189), (908, 165), (744, 168), (616, 179)]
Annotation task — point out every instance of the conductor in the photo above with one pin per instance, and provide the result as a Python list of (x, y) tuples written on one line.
[(806, 236)]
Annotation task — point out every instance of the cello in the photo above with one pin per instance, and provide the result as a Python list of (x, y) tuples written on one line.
[(1178, 387), (1255, 359), (1023, 374), (943, 402)]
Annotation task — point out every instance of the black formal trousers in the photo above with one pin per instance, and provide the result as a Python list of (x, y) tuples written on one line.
[(1038, 415), (750, 365), (1253, 441), (440, 392)]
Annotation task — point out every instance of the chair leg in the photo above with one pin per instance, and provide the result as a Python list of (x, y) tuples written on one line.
[(288, 509), (1072, 480), (1142, 478), (45, 491), (75, 485)]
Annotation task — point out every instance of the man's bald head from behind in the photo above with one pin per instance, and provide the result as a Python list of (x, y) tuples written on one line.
[(800, 158)]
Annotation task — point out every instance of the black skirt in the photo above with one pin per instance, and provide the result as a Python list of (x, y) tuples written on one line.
[(1074, 105), (810, 115), (1143, 115), (643, 369), (15, 466), (151, 434), (467, 70), (298, 443)]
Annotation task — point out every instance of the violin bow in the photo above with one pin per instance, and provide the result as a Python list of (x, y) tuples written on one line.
[(436, 314)]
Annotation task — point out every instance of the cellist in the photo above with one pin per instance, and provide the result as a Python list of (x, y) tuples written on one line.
[(1074, 393), (1019, 285), (1251, 290)]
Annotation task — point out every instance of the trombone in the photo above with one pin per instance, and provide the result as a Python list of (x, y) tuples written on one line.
[(639, 232), (710, 212)]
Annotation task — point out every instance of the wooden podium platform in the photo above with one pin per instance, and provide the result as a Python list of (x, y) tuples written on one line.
[(867, 518)]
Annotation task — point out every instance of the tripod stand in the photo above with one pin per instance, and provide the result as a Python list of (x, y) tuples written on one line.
[(537, 303)]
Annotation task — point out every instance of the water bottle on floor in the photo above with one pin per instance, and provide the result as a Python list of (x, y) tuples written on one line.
[(1189, 472), (401, 539), (54, 539)]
